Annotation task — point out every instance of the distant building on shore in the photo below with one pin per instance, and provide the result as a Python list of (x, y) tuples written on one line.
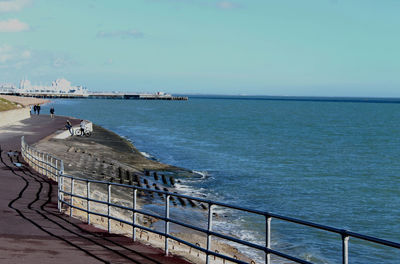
[(61, 88), (58, 87), (7, 88)]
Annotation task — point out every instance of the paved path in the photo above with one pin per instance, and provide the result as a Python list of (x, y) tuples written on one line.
[(31, 228)]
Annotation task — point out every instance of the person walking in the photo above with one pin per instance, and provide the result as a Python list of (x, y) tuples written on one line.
[(38, 109), (83, 126), (35, 109), (68, 126), (52, 112)]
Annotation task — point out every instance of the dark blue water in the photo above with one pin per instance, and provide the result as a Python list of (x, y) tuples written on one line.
[(334, 163)]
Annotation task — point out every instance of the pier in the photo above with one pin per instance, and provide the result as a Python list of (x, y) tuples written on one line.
[(126, 96), (62, 88), (137, 96)]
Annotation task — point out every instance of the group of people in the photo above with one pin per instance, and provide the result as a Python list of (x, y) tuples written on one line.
[(82, 127), (36, 109)]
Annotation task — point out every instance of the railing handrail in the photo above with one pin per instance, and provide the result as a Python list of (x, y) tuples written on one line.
[(249, 210), (345, 234)]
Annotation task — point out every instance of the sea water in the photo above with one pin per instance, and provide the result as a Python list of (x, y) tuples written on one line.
[(333, 163)]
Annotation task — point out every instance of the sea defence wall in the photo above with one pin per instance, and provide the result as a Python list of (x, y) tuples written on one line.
[(97, 203), (12, 116)]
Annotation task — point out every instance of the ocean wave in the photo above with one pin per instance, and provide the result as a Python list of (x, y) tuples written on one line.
[(148, 156), (188, 190), (202, 174)]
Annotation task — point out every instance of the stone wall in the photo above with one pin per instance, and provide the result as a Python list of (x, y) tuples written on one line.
[(12, 116)]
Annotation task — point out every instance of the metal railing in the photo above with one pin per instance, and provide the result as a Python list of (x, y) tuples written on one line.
[(54, 168), (44, 163)]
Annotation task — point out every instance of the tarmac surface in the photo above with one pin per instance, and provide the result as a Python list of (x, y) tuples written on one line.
[(31, 228)]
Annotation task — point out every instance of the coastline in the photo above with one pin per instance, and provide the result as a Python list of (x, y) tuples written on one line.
[(32, 230), (25, 101), (22, 110), (107, 156)]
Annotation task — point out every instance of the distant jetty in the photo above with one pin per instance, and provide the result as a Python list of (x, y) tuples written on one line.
[(61, 88), (137, 96)]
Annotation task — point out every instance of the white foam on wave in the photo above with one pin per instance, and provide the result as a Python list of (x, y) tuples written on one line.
[(224, 223), (235, 229), (187, 190), (202, 174), (147, 155)]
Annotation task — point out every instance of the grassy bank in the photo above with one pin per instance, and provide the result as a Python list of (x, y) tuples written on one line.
[(7, 105)]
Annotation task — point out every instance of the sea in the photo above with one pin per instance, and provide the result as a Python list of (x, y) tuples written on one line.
[(334, 162)]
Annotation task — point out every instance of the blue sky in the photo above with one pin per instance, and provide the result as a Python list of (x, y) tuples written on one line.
[(255, 47)]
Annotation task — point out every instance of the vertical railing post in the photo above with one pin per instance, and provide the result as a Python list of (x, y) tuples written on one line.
[(41, 155), (209, 229), (40, 162), (345, 248), (44, 164), (62, 166), (134, 215), (88, 201), (72, 197), (58, 192), (35, 160), (52, 169), (34, 163), (268, 238), (60, 172), (108, 206), (47, 166), (166, 223)]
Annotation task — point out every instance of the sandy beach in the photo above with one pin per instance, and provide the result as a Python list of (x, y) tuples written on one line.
[(25, 101)]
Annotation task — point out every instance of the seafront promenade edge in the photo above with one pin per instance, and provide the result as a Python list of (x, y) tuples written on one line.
[(32, 184), (31, 228), (86, 199)]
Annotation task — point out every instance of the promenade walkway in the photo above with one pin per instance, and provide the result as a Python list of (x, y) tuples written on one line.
[(31, 228)]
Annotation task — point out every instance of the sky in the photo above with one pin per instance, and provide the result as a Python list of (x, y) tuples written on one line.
[(252, 47)]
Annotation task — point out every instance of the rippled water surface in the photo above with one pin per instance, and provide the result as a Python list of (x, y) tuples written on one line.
[(334, 163)]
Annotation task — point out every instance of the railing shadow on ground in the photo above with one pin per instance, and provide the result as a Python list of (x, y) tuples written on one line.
[(68, 196), (29, 177)]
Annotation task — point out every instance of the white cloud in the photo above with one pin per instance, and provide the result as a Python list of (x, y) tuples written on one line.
[(120, 34), (5, 53), (13, 5), (13, 25), (227, 5), (109, 62), (17, 60), (11, 56), (26, 54), (220, 4)]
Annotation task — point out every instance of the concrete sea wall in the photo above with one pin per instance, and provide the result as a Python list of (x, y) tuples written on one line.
[(12, 116)]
